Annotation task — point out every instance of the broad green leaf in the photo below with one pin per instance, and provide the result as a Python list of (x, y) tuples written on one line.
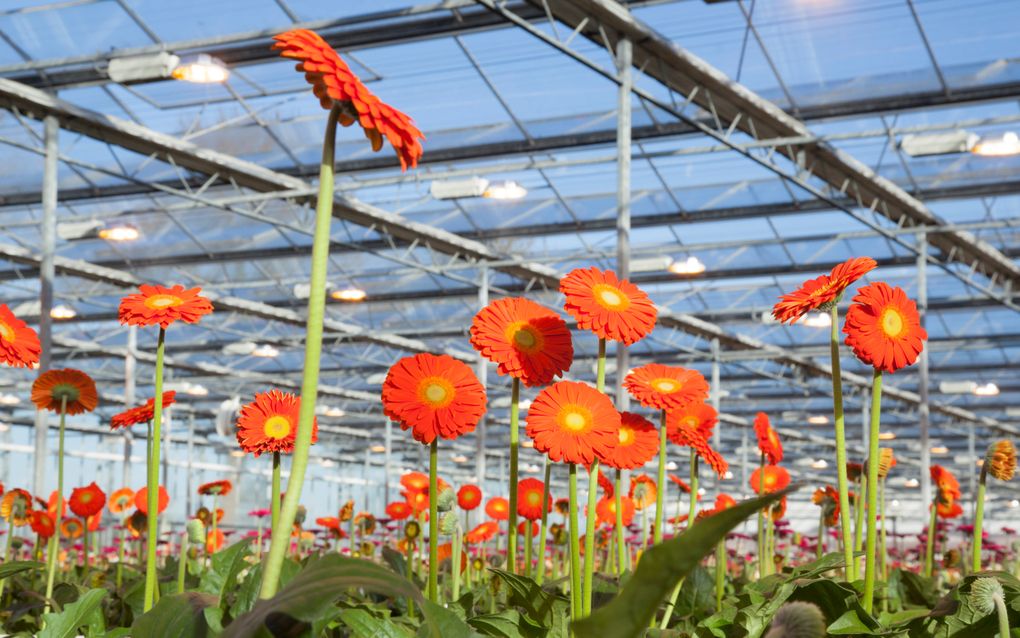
[(396, 560), (440, 622), (221, 577), (697, 594), (74, 615), (507, 624), (542, 608), (177, 616), (661, 568), (840, 604), (119, 632), (364, 624), (18, 566), (248, 592)]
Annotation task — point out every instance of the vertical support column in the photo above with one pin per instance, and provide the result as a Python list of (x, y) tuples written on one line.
[(716, 399), (129, 401), (483, 377), (624, 72), (47, 273), (923, 410)]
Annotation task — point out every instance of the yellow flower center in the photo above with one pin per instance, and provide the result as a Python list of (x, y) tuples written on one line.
[(6, 333), (575, 418), (892, 322), (610, 297), (277, 426), (665, 385), (85, 497), (534, 499), (626, 436), (437, 392), (159, 302), (525, 337)]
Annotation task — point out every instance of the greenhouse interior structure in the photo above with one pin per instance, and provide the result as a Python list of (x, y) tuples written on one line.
[(591, 318)]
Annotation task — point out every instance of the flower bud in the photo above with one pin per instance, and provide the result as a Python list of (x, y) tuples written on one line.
[(448, 524), (196, 531), (447, 499), (798, 620), (983, 594)]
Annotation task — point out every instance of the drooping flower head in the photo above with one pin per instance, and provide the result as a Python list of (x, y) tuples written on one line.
[(698, 415), (827, 498), (883, 328), (822, 291), (19, 345), (469, 497), (221, 487), (682, 434), (1000, 460), (679, 482), (768, 440), (529, 499), (886, 462), (526, 341), (666, 387), (433, 396), (16, 507), (482, 532), (498, 508), (73, 386), (605, 511), (142, 413), (775, 478), (614, 309), (160, 305), (637, 443), (945, 482), (72, 528), (948, 509), (398, 510), (269, 423), (87, 501), (642, 491), (121, 500), (142, 500), (573, 422), (333, 81)]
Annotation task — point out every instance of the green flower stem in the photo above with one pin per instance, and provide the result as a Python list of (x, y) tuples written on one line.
[(660, 494), (274, 506), (644, 528), (821, 534), (410, 576), (215, 522), (1003, 616), (433, 522), (7, 552), (51, 556), (979, 519), (540, 574), (872, 541), (575, 547), (720, 573), (457, 535), (515, 418), (693, 509), (152, 482), (529, 540), (929, 550), (85, 550), (762, 567), (182, 563), (842, 483), (882, 562), (120, 553), (589, 537), (621, 543), (310, 379), (862, 491)]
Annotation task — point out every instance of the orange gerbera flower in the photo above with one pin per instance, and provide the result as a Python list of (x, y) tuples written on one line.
[(529, 498), (415, 481), (526, 341), (163, 306), (142, 501), (16, 507), (637, 443), (612, 308), (681, 434), (883, 328), (1000, 460), (679, 482), (724, 502), (945, 481), (72, 528), (433, 396), (828, 499), (214, 541), (42, 523), (92, 522), (269, 423), (87, 501), (604, 483), (328, 522), (142, 413), (886, 462), (666, 387), (417, 499), (216, 488), (768, 440), (67, 384), (775, 479), (818, 293), (698, 415), (498, 508), (948, 509), (482, 532), (778, 510), (19, 345), (398, 510), (642, 491), (51, 505), (333, 81), (121, 499), (573, 422), (605, 511), (469, 497)]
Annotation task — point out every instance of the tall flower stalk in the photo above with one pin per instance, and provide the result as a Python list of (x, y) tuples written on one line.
[(660, 494), (839, 421), (433, 586), (515, 437), (1000, 463), (593, 485), (871, 543), (540, 574), (54, 545)]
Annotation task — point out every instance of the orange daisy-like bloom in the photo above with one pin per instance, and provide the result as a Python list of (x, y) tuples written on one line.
[(415, 481), (529, 498), (724, 502), (883, 328), (328, 522), (92, 522), (482, 532), (817, 293), (121, 500), (163, 306), (945, 481), (949, 509), (333, 81), (526, 341), (19, 345), (605, 511), (698, 415), (828, 499), (51, 505), (217, 488), (72, 528), (886, 462), (573, 422), (686, 436), (523, 530), (398, 510), (433, 395), (67, 384), (498, 508), (679, 482), (638, 443), (612, 308), (768, 440), (642, 491), (469, 497), (1000, 460), (666, 387), (87, 501), (778, 510), (142, 500), (269, 423), (775, 478), (142, 413), (16, 507), (214, 541), (417, 499), (42, 523)]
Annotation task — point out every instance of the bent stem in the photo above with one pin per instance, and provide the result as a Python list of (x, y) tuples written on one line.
[(842, 482), (660, 494), (871, 548), (434, 522), (979, 519), (621, 543), (152, 482), (575, 547), (540, 566), (515, 412), (310, 379), (51, 557)]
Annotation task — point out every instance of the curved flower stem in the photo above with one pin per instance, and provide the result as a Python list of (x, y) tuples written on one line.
[(979, 519), (819, 546), (51, 557), (660, 494), (274, 506), (575, 548), (762, 569), (621, 543), (433, 522), (515, 435), (871, 549), (929, 550), (593, 485), (182, 563), (720, 573), (152, 482), (310, 379), (540, 574), (842, 483), (1003, 616)]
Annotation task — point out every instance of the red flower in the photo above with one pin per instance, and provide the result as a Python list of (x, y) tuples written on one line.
[(482, 532), (73, 386), (775, 479), (724, 502), (121, 499), (398, 510), (214, 541), (42, 523), (638, 443), (433, 396), (87, 501), (824, 290), (163, 306), (469, 497), (768, 440), (141, 413), (498, 508), (523, 531), (681, 434), (19, 345), (605, 511), (883, 328), (612, 308), (666, 387), (216, 488), (415, 481), (950, 509), (529, 498), (269, 423), (526, 341), (699, 415), (142, 500), (573, 422), (332, 80), (828, 499)]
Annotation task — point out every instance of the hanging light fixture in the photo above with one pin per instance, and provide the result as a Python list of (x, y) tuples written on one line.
[(201, 69)]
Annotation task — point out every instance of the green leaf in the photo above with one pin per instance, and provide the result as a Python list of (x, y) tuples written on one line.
[(18, 566), (440, 622), (248, 592), (76, 614), (697, 594), (221, 577), (661, 568), (177, 616), (396, 560), (506, 624), (364, 624), (542, 608)]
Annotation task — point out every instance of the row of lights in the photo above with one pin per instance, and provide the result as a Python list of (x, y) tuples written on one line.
[(957, 142)]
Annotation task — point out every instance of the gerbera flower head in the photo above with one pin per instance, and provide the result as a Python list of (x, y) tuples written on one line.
[(883, 328), (160, 305), (19, 345), (1000, 460), (945, 481), (269, 423), (612, 308), (778, 510), (52, 504), (666, 387), (417, 499), (42, 523), (605, 511), (724, 502), (398, 510), (679, 482), (642, 491), (775, 478), (886, 462), (562, 506), (637, 443), (498, 508), (523, 530), (529, 499), (469, 497), (121, 500), (216, 488), (68, 385), (433, 395), (16, 507), (827, 498), (142, 413), (142, 500), (214, 541), (573, 422), (948, 509), (72, 528), (525, 340), (821, 292), (333, 82), (686, 436), (604, 483), (854, 471), (482, 532), (87, 501), (768, 440), (415, 481), (699, 416)]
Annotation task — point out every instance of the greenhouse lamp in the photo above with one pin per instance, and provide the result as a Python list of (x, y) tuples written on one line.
[(505, 190), (63, 311), (201, 69), (119, 232), (689, 266), (1008, 144), (349, 294)]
